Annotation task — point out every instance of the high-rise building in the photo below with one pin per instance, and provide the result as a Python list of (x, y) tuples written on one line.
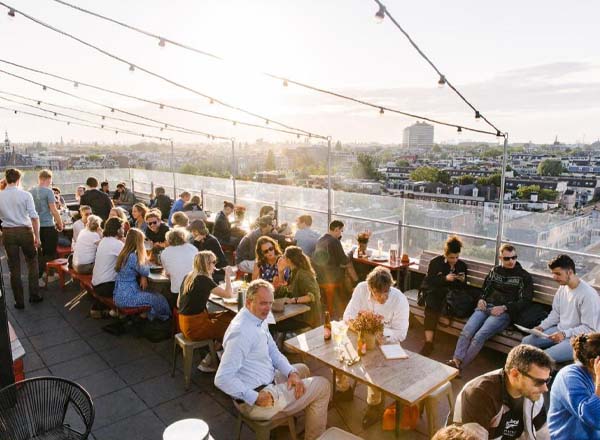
[(419, 135)]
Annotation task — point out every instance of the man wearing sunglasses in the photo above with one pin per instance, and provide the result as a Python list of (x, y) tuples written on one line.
[(507, 290), (509, 403)]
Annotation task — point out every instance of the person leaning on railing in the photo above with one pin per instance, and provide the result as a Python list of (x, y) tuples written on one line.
[(445, 272)]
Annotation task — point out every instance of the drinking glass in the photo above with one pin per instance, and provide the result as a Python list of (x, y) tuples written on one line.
[(380, 247), (338, 330)]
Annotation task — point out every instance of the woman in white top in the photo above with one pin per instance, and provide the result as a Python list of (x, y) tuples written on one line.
[(84, 252), (177, 259)]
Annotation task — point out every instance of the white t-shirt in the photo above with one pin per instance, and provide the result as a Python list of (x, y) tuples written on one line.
[(84, 251), (178, 261), (106, 258), (78, 226)]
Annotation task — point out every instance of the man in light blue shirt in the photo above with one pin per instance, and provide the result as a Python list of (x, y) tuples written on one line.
[(20, 232), (305, 237), (184, 197), (50, 221), (259, 378)]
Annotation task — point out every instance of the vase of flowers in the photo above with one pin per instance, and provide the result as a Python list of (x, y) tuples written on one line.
[(363, 243), (368, 324), (239, 212)]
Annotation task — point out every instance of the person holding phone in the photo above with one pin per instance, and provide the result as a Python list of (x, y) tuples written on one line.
[(444, 272)]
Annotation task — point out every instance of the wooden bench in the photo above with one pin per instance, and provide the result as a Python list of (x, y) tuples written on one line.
[(544, 288)]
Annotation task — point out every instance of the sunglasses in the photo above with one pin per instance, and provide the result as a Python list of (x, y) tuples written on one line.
[(514, 257), (152, 223), (536, 380), (269, 249)]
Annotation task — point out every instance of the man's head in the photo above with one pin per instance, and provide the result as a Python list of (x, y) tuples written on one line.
[(45, 178), (336, 228), (121, 187), (562, 268), (113, 227), (85, 211), (13, 175), (528, 368), (304, 221), (159, 191), (153, 220), (259, 298), (379, 282), (177, 237), (104, 186), (180, 219), (91, 182), (185, 196), (508, 256), (227, 207), (198, 229), (265, 224)]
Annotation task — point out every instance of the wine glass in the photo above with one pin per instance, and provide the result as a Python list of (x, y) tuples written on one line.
[(380, 247)]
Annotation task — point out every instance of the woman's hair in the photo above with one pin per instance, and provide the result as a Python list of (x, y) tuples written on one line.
[(298, 258), (201, 267), (121, 214), (159, 190), (199, 226), (180, 219), (196, 200), (260, 258), (453, 245), (586, 347), (93, 223), (227, 204), (142, 208), (134, 242), (177, 237), (112, 227), (56, 189)]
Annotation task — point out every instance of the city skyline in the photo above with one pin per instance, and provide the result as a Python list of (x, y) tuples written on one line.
[(534, 76)]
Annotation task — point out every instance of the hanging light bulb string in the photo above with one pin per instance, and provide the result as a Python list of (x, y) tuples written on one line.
[(81, 124), (112, 108), (443, 79), (286, 81), (161, 105), (153, 74)]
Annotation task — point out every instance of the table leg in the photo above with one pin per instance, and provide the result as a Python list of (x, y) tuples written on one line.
[(333, 393), (398, 416)]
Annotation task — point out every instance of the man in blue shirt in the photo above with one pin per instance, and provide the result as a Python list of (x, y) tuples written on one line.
[(259, 378), (305, 237), (184, 197), (50, 221)]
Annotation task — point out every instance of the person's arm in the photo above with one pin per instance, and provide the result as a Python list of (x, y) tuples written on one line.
[(255, 272), (35, 224), (435, 276), (590, 311), (579, 401), (524, 298), (237, 348), (55, 213), (399, 324), (226, 292), (280, 362), (476, 406)]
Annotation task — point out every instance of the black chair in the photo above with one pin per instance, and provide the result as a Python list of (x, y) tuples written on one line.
[(45, 408)]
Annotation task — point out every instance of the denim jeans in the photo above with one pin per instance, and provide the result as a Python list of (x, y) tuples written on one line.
[(561, 352), (16, 240), (480, 327)]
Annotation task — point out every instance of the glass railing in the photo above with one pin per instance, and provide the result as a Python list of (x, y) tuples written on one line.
[(416, 225)]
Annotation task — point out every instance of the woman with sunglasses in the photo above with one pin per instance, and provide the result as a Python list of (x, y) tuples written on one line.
[(575, 396), (195, 322), (269, 265), (131, 264)]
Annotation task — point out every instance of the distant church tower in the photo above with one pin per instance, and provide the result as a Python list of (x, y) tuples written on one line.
[(6, 150)]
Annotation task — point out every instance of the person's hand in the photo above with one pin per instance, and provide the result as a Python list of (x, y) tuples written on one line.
[(60, 226), (228, 272), (144, 283), (265, 399), (597, 370), (481, 304), (451, 277), (288, 300), (538, 328), (557, 337), (294, 381), (36, 242), (497, 310)]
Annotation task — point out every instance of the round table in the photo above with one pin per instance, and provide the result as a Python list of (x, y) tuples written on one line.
[(187, 429)]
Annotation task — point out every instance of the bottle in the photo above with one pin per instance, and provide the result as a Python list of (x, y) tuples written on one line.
[(361, 345), (327, 327)]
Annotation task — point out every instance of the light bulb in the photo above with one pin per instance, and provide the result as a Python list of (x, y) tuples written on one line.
[(162, 106), (441, 81), (380, 14), (112, 110), (285, 83), (75, 84), (477, 116), (162, 42), (39, 102), (11, 12), (131, 68), (459, 130), (44, 88), (381, 111), (212, 101)]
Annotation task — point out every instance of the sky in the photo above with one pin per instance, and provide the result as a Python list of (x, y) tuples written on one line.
[(532, 68)]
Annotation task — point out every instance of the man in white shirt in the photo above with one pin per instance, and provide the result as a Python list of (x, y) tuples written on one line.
[(575, 310), (259, 378), (20, 232), (377, 295), (178, 258), (104, 274), (85, 211)]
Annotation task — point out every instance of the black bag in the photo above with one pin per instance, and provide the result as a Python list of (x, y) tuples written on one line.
[(157, 330), (532, 315), (460, 303)]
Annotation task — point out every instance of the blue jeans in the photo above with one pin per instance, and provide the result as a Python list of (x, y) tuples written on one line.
[(480, 327), (561, 352)]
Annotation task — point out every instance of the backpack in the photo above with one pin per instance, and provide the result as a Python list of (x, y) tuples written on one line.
[(460, 303), (532, 315)]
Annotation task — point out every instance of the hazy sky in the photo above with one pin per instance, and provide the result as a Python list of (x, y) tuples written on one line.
[(532, 67)]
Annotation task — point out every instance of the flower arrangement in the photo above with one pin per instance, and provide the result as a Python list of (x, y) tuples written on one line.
[(368, 322), (239, 211), (363, 237)]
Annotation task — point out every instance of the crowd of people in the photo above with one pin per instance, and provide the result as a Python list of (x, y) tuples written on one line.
[(118, 238)]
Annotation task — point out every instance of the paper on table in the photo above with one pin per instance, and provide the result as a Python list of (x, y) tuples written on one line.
[(533, 331), (393, 351)]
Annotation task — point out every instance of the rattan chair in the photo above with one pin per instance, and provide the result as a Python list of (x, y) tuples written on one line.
[(45, 408)]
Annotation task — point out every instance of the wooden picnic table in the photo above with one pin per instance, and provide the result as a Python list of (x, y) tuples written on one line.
[(407, 381)]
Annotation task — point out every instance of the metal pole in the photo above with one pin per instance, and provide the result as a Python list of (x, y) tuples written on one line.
[(7, 376), (399, 239), (329, 207), (173, 170), (233, 170), (501, 198)]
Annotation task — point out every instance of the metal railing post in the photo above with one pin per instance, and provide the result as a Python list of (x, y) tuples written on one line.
[(329, 207), (202, 199), (233, 171), (400, 238), (501, 200), (277, 212)]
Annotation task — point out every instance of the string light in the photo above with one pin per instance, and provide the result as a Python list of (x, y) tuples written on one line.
[(44, 88), (285, 83), (39, 102), (162, 42), (11, 12), (161, 106), (131, 68), (212, 101), (112, 110), (381, 110), (477, 116), (15, 112), (116, 131), (103, 117), (380, 14), (459, 130), (75, 84), (267, 121), (441, 81)]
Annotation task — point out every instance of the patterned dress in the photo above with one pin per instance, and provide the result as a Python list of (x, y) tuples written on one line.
[(129, 294)]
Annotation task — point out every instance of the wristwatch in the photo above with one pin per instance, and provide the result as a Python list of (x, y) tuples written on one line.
[(296, 300)]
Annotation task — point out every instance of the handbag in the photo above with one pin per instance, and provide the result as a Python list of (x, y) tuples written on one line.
[(408, 420)]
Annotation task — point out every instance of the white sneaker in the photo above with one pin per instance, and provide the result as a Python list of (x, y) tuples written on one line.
[(42, 282), (206, 366)]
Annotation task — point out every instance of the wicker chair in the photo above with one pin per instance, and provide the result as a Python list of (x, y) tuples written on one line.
[(37, 408)]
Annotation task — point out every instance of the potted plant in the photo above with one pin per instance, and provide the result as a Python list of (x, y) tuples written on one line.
[(363, 243), (368, 325), (239, 211)]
